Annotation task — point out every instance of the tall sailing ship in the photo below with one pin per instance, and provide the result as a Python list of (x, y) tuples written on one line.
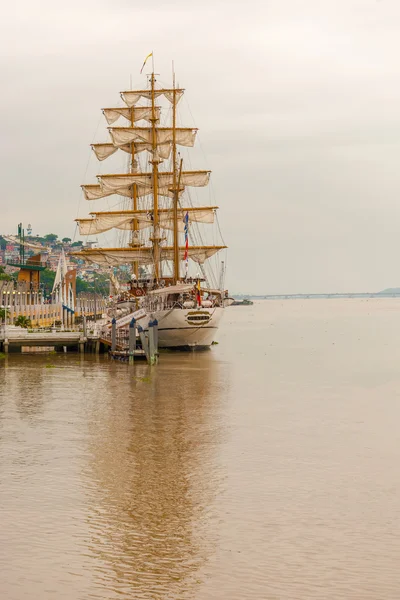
[(160, 240)]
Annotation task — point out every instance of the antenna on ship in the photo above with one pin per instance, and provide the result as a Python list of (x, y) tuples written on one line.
[(222, 276)]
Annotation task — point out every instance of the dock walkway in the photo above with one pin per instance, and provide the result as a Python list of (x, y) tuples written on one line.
[(15, 338)]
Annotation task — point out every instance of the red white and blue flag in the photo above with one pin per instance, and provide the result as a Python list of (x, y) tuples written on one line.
[(186, 255)]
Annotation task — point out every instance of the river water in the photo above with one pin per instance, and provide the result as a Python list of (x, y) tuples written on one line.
[(266, 468)]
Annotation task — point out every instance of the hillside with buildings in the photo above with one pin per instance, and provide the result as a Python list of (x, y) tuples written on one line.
[(49, 246)]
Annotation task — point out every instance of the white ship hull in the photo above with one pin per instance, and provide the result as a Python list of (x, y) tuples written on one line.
[(187, 328)]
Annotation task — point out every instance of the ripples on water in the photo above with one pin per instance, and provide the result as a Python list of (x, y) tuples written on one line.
[(265, 468)]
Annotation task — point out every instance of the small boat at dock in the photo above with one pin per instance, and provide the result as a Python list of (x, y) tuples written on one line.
[(244, 302)]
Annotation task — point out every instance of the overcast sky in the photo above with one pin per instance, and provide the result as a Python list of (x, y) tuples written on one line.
[(298, 105)]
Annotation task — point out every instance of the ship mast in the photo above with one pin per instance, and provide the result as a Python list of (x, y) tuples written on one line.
[(175, 188), (154, 162), (160, 142), (135, 264)]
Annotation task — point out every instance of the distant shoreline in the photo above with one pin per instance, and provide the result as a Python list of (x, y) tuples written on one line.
[(389, 293)]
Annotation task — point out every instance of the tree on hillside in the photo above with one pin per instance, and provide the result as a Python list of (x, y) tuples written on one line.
[(3, 243), (82, 286), (37, 238), (4, 276), (47, 279), (50, 237), (99, 286), (66, 240), (76, 244)]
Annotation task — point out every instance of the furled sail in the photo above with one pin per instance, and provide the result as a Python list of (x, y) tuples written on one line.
[(198, 254), (204, 214), (103, 151), (138, 113), (144, 255), (94, 192), (113, 184), (102, 224), (115, 256), (104, 221), (184, 136), (132, 97)]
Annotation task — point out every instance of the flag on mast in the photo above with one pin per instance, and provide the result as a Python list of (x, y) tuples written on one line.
[(186, 255), (145, 61), (198, 292)]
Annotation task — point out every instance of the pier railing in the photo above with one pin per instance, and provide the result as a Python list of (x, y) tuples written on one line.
[(45, 312)]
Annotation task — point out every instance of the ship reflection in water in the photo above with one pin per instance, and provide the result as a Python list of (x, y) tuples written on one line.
[(151, 456)]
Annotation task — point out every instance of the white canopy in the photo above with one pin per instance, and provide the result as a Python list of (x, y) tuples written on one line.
[(172, 289)]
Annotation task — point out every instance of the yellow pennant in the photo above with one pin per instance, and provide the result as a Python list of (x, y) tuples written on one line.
[(145, 61)]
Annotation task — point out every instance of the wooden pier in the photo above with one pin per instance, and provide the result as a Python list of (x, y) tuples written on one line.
[(16, 339), (121, 344), (56, 325)]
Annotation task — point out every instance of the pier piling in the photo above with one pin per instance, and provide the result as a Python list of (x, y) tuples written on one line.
[(129, 348), (152, 343), (113, 335), (155, 327), (144, 341), (132, 341)]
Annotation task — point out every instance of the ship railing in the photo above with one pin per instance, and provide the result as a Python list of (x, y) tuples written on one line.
[(170, 304)]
